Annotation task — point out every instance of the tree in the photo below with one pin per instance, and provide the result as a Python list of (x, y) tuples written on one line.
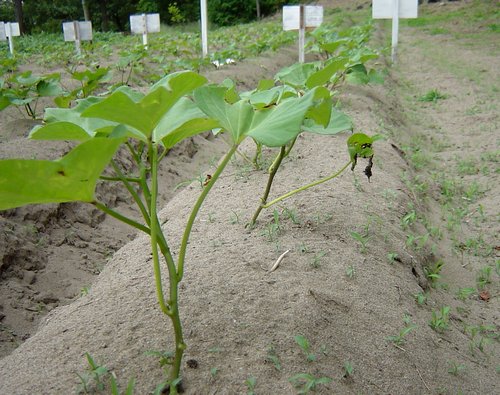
[(86, 12), (18, 11)]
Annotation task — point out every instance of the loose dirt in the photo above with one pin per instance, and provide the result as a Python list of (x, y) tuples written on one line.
[(240, 320)]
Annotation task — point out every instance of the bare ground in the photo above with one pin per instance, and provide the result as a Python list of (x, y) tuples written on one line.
[(346, 300)]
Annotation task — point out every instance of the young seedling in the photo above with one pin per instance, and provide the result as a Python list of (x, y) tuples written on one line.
[(251, 382), (455, 368), (393, 257), (350, 271), (94, 377), (432, 96), (400, 338), (348, 370), (316, 260), (361, 239), (483, 277), (440, 320), (305, 346), (421, 298), (464, 293), (305, 382), (433, 272), (273, 358)]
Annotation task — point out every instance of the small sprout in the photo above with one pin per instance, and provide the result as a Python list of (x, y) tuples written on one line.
[(393, 257), (304, 345), (361, 239), (421, 298), (440, 320), (348, 369), (455, 368), (273, 358), (350, 271), (251, 382), (306, 382)]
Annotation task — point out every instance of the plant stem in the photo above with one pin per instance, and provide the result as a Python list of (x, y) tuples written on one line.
[(155, 229), (303, 188), (196, 208), (272, 172), (121, 217)]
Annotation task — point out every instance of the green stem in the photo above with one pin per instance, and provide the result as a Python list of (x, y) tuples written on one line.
[(303, 188), (257, 156), (132, 192), (121, 217), (155, 229), (272, 172), (196, 208), (128, 179)]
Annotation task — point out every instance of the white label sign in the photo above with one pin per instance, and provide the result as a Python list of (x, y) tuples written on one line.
[(81, 31), (9, 29), (3, 36), (313, 16), (145, 23), (384, 9)]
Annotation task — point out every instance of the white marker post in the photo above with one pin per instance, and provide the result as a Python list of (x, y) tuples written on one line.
[(300, 18), (77, 32), (394, 9), (8, 31), (204, 27), (144, 24)]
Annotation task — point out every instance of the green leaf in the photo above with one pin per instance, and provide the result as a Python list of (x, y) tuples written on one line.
[(183, 120), (59, 131), (278, 126), (324, 75), (49, 88), (297, 74), (359, 145), (339, 122), (147, 113), (71, 178)]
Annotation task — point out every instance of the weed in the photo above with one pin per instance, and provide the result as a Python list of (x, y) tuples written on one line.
[(306, 382), (305, 346), (455, 368), (433, 272), (274, 228), (464, 293), (213, 372), (303, 248), (361, 239), (432, 96), (291, 214), (251, 382), (350, 271), (273, 358), (483, 277), (421, 298), (234, 218), (409, 219), (440, 320), (316, 261), (95, 378), (400, 338), (480, 336), (348, 369), (392, 257)]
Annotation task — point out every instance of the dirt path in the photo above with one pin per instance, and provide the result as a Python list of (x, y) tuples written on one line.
[(433, 198)]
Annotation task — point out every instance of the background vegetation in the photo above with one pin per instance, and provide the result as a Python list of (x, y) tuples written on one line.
[(113, 15)]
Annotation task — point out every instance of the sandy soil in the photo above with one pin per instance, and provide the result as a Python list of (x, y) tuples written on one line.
[(240, 320)]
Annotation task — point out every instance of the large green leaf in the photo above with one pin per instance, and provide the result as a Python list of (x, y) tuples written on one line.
[(145, 114), (183, 120), (71, 178), (297, 74), (278, 126), (273, 126), (339, 122), (68, 124), (324, 75)]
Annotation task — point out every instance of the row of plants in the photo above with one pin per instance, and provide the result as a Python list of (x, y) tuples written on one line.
[(300, 98)]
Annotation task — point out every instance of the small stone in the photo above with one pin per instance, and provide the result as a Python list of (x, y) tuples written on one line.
[(29, 277)]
